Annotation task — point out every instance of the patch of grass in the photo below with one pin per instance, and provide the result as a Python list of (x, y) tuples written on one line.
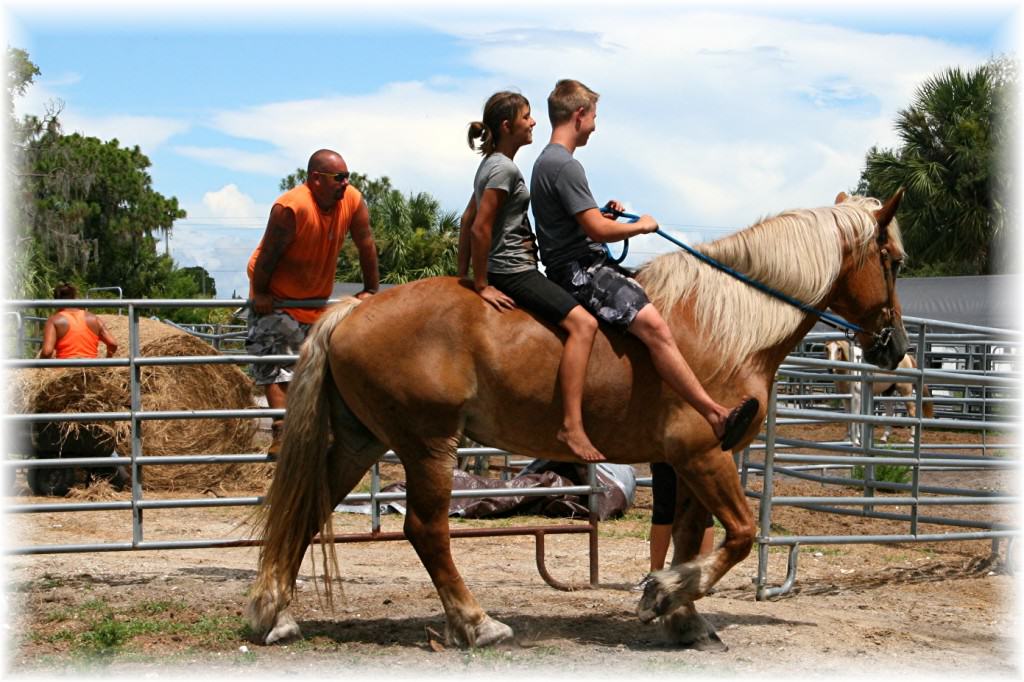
[(58, 616), (826, 551), (636, 515), (94, 628), (49, 582), (104, 635), (884, 473), (895, 558), (97, 605), (606, 530), (54, 637), (160, 606), (489, 657)]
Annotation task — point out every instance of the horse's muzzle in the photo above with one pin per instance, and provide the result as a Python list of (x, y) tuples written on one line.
[(889, 347)]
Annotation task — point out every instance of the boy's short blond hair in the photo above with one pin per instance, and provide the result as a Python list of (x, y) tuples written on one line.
[(568, 96)]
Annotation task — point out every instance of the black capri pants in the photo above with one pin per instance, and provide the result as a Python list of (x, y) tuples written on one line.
[(663, 485)]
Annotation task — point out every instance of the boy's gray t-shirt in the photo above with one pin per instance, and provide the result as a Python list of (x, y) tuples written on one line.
[(512, 243), (560, 190)]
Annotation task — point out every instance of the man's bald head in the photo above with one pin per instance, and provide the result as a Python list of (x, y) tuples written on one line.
[(324, 160)]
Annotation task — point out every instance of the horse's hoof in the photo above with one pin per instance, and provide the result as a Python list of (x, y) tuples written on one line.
[(490, 632), (285, 629), (667, 591), (692, 631)]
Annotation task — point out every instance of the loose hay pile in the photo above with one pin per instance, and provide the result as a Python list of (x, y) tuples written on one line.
[(181, 387)]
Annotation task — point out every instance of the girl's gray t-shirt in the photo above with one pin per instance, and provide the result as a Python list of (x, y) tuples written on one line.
[(513, 247)]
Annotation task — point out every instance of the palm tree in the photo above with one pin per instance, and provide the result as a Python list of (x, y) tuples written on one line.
[(953, 214), (415, 238)]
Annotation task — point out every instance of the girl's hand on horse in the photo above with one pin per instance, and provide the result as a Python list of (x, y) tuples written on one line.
[(496, 298)]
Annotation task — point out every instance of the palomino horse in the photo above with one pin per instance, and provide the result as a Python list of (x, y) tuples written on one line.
[(417, 366), (843, 351)]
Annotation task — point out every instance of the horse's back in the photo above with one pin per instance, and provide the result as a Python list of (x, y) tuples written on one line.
[(432, 355)]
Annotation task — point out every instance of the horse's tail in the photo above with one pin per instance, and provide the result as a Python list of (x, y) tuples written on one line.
[(299, 503)]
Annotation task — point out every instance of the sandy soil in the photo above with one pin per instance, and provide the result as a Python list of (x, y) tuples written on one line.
[(942, 609)]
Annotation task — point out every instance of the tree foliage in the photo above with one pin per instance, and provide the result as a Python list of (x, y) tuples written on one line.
[(954, 134), (84, 210), (415, 237)]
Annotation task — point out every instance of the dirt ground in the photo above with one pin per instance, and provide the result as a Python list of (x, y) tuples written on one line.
[(939, 609)]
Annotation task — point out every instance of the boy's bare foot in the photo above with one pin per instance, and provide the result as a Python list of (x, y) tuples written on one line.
[(580, 445)]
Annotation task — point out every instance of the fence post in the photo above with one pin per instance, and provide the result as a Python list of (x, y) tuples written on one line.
[(135, 388), (765, 509)]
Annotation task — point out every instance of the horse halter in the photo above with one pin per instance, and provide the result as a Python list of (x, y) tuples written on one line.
[(883, 337)]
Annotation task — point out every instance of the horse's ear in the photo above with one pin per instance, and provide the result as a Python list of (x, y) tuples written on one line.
[(884, 215), (841, 197)]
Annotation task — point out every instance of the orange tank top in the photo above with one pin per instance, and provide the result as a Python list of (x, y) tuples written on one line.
[(79, 341), (306, 269)]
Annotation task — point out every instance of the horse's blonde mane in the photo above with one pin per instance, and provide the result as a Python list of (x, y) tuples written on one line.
[(798, 252)]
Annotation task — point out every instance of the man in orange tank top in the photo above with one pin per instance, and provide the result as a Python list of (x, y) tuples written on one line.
[(297, 259), (74, 332)]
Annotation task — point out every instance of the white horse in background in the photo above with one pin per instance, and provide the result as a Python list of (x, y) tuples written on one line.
[(843, 351)]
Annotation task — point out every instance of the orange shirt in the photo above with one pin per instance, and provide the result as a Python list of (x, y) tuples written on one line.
[(306, 270), (79, 341)]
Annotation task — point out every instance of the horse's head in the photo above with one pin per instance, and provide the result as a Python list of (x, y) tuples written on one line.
[(838, 351), (865, 291)]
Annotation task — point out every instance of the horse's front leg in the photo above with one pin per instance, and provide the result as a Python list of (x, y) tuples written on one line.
[(429, 477), (684, 626), (711, 478)]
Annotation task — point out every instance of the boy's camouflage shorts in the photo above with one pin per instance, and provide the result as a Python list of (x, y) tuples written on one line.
[(604, 289)]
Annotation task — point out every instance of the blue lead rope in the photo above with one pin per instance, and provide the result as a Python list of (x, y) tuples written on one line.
[(827, 318)]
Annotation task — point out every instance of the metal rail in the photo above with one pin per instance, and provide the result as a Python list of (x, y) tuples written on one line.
[(138, 461), (975, 373), (966, 367)]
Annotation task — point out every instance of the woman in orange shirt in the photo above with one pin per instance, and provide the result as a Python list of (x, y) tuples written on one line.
[(73, 332)]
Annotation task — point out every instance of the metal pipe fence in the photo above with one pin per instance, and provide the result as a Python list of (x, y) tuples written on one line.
[(137, 460), (963, 360), (972, 369)]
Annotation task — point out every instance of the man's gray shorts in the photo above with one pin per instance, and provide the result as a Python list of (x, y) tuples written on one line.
[(275, 334)]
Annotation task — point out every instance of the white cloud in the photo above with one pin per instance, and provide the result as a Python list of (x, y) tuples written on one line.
[(148, 132), (706, 117), (220, 234), (411, 132), (230, 202), (274, 163)]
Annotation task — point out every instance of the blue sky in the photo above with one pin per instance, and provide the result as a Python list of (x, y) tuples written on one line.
[(711, 116)]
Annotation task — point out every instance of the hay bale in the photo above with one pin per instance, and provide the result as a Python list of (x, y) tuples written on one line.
[(191, 387)]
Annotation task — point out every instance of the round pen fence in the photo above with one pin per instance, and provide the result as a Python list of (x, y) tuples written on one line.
[(137, 461), (971, 373)]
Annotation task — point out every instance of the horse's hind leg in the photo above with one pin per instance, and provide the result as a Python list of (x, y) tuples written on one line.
[(353, 452), (428, 470)]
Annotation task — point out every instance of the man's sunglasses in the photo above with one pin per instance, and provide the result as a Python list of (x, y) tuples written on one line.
[(338, 177)]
